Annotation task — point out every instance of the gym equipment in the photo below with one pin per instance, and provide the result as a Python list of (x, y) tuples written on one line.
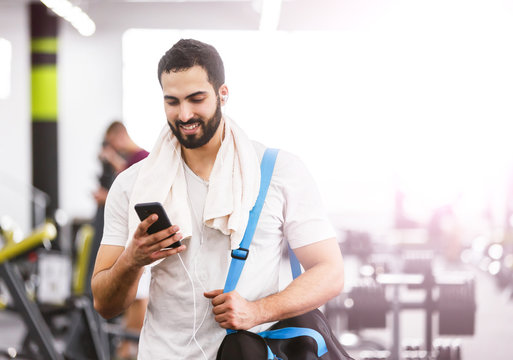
[(65, 331), (357, 243), (84, 240), (456, 307), (497, 260), (113, 330), (375, 355), (443, 349), (36, 326), (448, 297), (366, 306), (493, 254), (447, 349)]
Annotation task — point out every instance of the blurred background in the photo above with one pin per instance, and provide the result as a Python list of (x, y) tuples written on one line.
[(400, 109)]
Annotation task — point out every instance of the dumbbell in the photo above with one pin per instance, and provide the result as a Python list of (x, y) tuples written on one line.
[(457, 308), (366, 306), (415, 355), (412, 350), (447, 349), (375, 355)]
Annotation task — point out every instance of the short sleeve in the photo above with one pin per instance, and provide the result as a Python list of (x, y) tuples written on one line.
[(305, 218), (115, 231)]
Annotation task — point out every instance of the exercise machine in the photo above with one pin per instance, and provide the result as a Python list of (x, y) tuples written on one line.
[(80, 336), (386, 273)]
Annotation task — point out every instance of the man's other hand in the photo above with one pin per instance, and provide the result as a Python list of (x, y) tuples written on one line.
[(232, 311)]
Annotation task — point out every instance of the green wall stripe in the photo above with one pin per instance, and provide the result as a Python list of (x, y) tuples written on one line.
[(44, 93), (44, 45)]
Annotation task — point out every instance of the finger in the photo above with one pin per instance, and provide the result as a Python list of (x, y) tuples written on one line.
[(167, 243), (225, 325), (228, 323), (212, 294), (161, 254), (222, 320), (220, 309), (166, 233), (142, 228), (155, 244)]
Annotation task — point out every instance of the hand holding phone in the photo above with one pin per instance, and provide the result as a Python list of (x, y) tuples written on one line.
[(146, 209)]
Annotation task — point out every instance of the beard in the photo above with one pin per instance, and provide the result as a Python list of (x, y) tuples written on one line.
[(208, 129)]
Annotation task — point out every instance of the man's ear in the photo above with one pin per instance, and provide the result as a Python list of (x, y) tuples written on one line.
[(223, 94)]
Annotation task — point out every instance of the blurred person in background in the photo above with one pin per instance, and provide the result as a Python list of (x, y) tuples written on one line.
[(120, 150), (118, 153)]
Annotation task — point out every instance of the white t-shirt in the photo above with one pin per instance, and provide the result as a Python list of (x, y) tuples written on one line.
[(292, 211)]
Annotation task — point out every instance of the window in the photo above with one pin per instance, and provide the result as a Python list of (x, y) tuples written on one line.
[(369, 111), (5, 68)]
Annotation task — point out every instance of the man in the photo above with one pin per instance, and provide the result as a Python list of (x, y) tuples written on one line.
[(205, 171)]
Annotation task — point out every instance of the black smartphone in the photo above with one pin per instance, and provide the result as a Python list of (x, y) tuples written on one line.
[(144, 210)]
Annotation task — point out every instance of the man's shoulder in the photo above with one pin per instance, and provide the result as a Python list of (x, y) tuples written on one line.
[(126, 179), (259, 148), (287, 163)]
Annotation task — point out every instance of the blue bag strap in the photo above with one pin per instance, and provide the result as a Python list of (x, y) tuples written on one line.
[(292, 332), (240, 255), (270, 354), (295, 266)]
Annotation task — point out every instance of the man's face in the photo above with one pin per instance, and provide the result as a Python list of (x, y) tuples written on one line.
[(115, 141), (192, 107)]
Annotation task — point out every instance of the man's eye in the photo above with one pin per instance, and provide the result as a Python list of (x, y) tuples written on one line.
[(172, 103), (197, 100)]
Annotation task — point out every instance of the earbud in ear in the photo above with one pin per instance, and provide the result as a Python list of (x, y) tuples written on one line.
[(225, 98)]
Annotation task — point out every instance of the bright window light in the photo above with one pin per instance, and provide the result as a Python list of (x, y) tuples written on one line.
[(399, 105), (5, 68), (270, 14), (72, 13)]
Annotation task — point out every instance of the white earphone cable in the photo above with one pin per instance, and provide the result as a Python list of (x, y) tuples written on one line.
[(194, 330)]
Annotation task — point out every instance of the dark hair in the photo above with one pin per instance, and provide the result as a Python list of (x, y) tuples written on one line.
[(115, 127), (187, 53)]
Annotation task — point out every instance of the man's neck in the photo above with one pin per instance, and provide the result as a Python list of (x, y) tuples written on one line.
[(201, 160)]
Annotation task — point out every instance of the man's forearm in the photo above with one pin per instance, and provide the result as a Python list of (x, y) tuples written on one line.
[(307, 292), (114, 289), (322, 280)]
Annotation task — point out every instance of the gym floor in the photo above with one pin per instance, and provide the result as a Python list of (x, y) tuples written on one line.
[(494, 324), (493, 338)]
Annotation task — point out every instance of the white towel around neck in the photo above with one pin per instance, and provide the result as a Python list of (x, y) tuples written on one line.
[(232, 191)]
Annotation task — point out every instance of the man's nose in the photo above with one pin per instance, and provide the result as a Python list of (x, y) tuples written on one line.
[(186, 112)]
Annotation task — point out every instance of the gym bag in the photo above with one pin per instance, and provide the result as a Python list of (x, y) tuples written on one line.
[(303, 337)]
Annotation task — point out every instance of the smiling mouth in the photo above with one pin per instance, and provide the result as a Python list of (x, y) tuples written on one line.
[(190, 127)]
